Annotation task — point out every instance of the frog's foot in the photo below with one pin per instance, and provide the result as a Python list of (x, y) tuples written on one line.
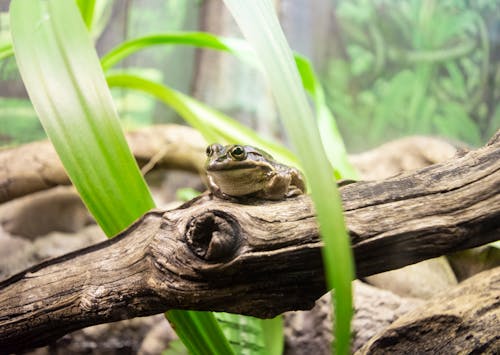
[(219, 194), (294, 191)]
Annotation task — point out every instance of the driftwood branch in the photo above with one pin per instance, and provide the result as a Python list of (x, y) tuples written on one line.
[(464, 320), (36, 166), (258, 258)]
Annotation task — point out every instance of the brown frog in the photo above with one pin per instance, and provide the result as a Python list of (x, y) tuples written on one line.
[(237, 170)]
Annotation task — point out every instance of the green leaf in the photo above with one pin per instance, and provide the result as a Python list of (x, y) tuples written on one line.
[(456, 123), (200, 332), (244, 333), (66, 85), (6, 50), (64, 80), (86, 8), (198, 39), (329, 132), (217, 127), (260, 26), (214, 125), (175, 347), (95, 14), (273, 335), (457, 85)]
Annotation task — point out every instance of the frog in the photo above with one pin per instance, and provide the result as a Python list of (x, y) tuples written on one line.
[(242, 171)]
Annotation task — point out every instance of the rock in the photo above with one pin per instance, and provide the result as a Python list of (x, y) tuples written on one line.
[(464, 319), (158, 339), (405, 154), (124, 337), (310, 332), (421, 280), (57, 209), (15, 254)]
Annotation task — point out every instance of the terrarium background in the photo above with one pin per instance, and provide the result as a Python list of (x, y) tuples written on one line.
[(389, 68)]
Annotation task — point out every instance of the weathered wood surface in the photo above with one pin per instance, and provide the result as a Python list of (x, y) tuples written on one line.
[(36, 166), (463, 320), (259, 257)]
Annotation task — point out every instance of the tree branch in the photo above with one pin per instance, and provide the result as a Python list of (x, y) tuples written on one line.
[(256, 257), (36, 166)]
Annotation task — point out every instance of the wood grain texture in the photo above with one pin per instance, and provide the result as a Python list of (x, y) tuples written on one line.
[(255, 257), (35, 166), (463, 320)]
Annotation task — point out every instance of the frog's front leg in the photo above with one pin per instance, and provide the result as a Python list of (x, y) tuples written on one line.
[(297, 184), (215, 190), (277, 187)]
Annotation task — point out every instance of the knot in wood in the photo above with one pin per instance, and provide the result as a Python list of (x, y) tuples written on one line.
[(213, 236)]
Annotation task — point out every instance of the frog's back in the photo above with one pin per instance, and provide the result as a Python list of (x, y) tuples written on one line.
[(259, 154)]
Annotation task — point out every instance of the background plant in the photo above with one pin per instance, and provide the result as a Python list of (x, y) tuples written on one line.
[(405, 67), (417, 67)]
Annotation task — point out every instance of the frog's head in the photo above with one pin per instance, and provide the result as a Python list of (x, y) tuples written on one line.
[(238, 169), (235, 157)]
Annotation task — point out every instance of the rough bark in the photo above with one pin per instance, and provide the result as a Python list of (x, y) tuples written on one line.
[(36, 166), (212, 254), (464, 319)]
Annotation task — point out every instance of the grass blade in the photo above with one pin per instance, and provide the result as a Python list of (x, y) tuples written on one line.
[(66, 85), (217, 127), (214, 125), (87, 10), (6, 50), (198, 39), (200, 332), (273, 335), (260, 26), (329, 132), (330, 135)]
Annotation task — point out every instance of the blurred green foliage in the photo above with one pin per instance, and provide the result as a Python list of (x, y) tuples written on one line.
[(415, 67), (403, 67), (25, 127)]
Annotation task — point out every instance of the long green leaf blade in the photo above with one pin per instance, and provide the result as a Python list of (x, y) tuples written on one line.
[(66, 85), (6, 50), (199, 39), (273, 335), (87, 11), (260, 26), (330, 134), (214, 125), (200, 332)]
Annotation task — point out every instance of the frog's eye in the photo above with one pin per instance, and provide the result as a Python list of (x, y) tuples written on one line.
[(238, 152), (212, 149)]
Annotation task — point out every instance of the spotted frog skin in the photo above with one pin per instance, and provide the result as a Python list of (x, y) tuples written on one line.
[(239, 171)]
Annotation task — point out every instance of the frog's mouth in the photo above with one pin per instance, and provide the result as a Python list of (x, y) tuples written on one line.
[(235, 166)]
